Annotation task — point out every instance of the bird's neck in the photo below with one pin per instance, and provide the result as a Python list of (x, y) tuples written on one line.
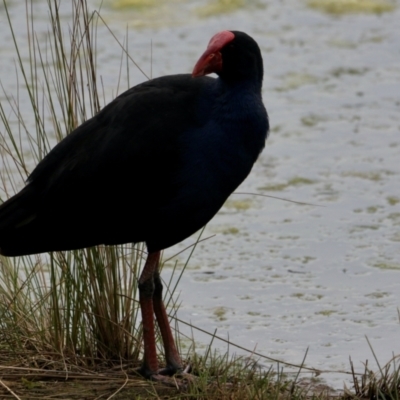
[(238, 100), (245, 85)]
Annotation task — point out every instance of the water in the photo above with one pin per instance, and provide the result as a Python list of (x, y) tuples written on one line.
[(276, 276)]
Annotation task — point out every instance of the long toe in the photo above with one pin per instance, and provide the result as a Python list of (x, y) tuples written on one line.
[(170, 370)]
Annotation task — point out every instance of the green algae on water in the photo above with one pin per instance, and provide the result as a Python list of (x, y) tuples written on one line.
[(216, 7), (339, 7), (137, 4)]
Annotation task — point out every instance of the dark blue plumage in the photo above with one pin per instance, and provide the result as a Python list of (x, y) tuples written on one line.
[(154, 166)]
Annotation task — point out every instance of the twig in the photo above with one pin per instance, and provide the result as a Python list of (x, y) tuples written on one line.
[(6, 387), (120, 388)]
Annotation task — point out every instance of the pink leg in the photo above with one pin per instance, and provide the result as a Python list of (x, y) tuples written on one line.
[(146, 290), (150, 296), (172, 357)]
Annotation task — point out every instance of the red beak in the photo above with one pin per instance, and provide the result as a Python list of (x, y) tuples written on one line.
[(211, 60), (208, 63)]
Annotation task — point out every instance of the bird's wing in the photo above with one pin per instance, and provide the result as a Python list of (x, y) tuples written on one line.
[(115, 166), (133, 142), (140, 125)]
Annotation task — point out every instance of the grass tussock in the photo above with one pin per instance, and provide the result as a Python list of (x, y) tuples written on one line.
[(79, 306), (383, 385), (69, 322)]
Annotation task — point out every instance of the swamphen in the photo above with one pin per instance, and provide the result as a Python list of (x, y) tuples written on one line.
[(154, 166)]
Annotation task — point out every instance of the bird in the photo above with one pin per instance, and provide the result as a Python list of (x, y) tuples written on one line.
[(154, 165)]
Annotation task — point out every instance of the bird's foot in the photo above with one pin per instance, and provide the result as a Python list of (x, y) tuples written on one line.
[(170, 370), (170, 376)]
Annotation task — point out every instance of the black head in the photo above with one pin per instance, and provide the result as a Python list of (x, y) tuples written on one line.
[(234, 56)]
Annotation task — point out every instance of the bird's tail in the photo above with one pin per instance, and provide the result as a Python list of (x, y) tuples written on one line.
[(16, 223)]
